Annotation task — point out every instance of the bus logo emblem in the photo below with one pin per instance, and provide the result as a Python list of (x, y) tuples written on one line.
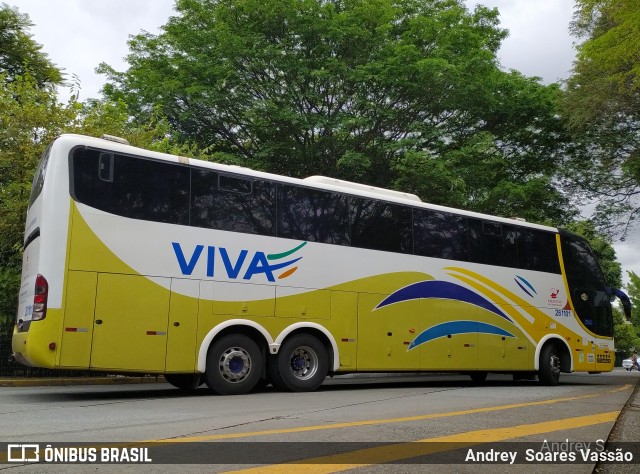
[(234, 266)]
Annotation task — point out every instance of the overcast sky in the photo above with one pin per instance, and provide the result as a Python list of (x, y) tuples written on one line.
[(79, 34)]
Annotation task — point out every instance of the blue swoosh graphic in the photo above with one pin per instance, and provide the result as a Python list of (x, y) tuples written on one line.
[(457, 327), (442, 290), (278, 266), (526, 283)]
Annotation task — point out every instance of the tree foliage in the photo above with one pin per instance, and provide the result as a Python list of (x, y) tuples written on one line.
[(404, 93), (20, 54), (633, 290), (603, 109), (627, 334), (31, 116)]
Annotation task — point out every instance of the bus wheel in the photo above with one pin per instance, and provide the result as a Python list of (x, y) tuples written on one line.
[(549, 373), (478, 377), (302, 363), (234, 365), (184, 381)]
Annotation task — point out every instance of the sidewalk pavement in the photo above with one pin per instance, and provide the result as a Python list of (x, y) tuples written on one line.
[(627, 430)]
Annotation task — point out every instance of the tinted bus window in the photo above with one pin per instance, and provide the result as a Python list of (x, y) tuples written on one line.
[(380, 226), (233, 203), (38, 179), (492, 243), (440, 235), (313, 215), (537, 251), (132, 187)]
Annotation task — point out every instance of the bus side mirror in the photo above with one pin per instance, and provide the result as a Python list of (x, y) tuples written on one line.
[(626, 303)]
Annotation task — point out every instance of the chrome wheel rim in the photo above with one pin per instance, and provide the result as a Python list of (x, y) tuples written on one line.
[(234, 364), (304, 362)]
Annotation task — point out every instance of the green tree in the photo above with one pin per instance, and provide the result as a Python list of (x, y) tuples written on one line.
[(627, 334), (404, 94), (30, 118), (603, 109), (633, 290), (20, 54)]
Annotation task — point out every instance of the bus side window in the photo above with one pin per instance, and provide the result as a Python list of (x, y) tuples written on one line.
[(492, 243), (232, 203), (440, 235), (313, 215), (131, 186), (537, 251), (379, 225)]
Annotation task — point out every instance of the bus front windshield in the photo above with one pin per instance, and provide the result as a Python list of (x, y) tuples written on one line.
[(587, 286)]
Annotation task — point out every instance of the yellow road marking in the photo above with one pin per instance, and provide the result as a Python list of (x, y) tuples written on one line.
[(351, 424), (400, 451), (621, 389)]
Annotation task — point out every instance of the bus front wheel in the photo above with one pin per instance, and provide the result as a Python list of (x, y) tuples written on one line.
[(234, 365), (302, 363), (549, 373)]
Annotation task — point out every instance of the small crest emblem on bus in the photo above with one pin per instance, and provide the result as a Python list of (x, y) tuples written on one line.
[(555, 300)]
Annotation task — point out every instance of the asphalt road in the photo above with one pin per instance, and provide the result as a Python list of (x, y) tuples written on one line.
[(365, 423)]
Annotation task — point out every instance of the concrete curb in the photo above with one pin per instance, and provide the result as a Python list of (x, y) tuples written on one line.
[(626, 429)]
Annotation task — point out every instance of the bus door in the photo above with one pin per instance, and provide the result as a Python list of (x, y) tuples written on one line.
[(183, 325), (130, 323)]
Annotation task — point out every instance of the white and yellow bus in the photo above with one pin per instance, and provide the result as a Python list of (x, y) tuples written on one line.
[(141, 262)]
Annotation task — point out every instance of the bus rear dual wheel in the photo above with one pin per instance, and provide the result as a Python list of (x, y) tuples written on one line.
[(235, 364), (301, 365)]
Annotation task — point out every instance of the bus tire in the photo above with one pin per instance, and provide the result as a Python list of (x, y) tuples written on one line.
[(302, 363), (234, 365), (549, 373), (185, 382)]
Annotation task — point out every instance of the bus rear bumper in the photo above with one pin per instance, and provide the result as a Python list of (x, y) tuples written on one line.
[(36, 347)]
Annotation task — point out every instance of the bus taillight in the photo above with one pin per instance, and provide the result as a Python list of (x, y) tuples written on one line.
[(40, 298)]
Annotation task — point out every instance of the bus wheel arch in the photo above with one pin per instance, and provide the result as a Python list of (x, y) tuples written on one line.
[(246, 345), (233, 326), (553, 356)]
